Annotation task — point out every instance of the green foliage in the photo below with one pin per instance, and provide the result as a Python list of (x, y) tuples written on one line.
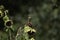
[(45, 17)]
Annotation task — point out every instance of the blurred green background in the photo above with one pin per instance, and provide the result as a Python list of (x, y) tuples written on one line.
[(45, 17)]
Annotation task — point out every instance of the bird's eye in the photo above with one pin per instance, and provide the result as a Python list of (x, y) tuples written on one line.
[(8, 23)]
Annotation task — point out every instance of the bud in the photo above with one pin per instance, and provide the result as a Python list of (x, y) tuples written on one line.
[(29, 19), (1, 7), (1, 14)]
